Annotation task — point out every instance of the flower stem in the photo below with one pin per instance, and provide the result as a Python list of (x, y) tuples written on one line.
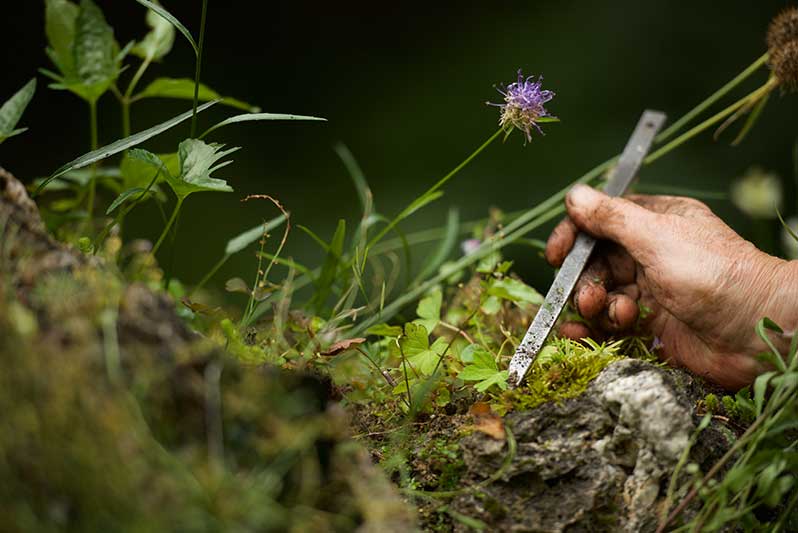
[(415, 204), (127, 98), (169, 223), (94, 143), (714, 119), (714, 97), (199, 67)]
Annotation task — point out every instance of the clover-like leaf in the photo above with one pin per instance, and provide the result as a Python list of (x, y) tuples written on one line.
[(159, 40), (483, 368), (12, 110), (417, 350), (429, 310), (198, 160)]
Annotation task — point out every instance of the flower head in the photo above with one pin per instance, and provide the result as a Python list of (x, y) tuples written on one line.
[(523, 105)]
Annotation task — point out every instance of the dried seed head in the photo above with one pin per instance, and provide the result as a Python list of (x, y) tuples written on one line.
[(783, 29), (784, 64)]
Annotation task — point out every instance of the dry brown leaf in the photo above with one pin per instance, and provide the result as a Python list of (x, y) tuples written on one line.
[(486, 421), (342, 346)]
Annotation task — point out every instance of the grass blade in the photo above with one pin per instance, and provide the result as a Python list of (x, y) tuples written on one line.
[(356, 173), (159, 9), (244, 239), (120, 145), (329, 270), (256, 117), (445, 248), (122, 197)]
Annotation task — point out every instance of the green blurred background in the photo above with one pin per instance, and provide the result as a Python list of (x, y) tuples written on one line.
[(404, 85)]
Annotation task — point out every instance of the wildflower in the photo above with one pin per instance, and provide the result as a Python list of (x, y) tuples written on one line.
[(469, 246), (757, 193), (523, 105)]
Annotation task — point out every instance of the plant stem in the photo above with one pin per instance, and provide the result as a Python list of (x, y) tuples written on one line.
[(714, 97), (94, 143), (168, 225), (126, 99), (414, 205), (210, 274), (199, 67), (714, 119)]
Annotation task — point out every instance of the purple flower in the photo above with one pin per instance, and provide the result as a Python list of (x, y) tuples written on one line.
[(523, 105)]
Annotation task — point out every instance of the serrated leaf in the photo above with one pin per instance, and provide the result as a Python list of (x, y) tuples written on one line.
[(198, 161), (122, 144), (60, 17), (415, 339), (158, 41), (94, 51), (483, 368), (429, 310), (122, 197), (426, 361), (241, 241), (183, 89), (159, 10), (12, 110), (139, 166), (515, 291), (257, 117)]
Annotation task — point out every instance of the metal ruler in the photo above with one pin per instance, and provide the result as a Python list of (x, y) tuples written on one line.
[(622, 175)]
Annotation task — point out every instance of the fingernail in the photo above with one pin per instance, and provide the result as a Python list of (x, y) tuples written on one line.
[(611, 312), (581, 194)]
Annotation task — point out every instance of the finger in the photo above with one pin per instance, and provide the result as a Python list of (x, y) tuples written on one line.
[(620, 220), (673, 205), (590, 293), (621, 264), (574, 330), (560, 242), (631, 290), (620, 313)]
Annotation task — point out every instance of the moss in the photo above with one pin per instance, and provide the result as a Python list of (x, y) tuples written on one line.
[(563, 370), (712, 403)]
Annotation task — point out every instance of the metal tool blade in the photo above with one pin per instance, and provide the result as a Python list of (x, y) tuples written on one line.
[(621, 176)]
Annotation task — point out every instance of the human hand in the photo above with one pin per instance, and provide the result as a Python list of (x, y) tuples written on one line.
[(703, 286)]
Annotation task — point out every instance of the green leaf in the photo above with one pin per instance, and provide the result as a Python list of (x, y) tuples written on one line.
[(384, 330), (357, 175), (416, 348), (760, 388), (12, 110), (257, 117), (95, 52), (515, 291), (120, 145), (241, 241), (122, 197), (158, 41), (183, 89), (198, 161), (429, 310), (138, 166), (59, 25), (483, 369), (329, 269), (158, 9)]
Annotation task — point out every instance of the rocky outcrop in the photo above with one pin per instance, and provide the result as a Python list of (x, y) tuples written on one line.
[(598, 462)]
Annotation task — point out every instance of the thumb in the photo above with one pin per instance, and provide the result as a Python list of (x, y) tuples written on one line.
[(616, 219)]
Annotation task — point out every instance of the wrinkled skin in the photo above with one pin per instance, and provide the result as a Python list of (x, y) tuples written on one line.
[(702, 287)]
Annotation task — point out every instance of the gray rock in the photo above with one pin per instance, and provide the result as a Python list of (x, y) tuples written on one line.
[(599, 462)]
